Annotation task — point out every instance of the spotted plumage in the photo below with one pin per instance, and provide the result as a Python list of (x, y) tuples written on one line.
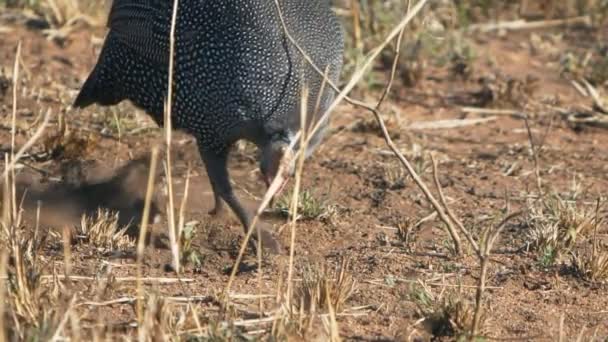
[(236, 76)]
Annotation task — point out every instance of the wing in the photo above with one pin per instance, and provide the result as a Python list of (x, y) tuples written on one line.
[(144, 26)]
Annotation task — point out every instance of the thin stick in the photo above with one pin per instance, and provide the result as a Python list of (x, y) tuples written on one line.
[(3, 260), (530, 25), (182, 207), (581, 333), (199, 326), (12, 191), (488, 240), (168, 131), (481, 286), (6, 196), (131, 300), (450, 226), (388, 87), (595, 226), (142, 233), (15, 89), (11, 165), (150, 280), (539, 183), (64, 320), (561, 327), (333, 323), (260, 270), (13, 196), (67, 252), (296, 196), (490, 111), (356, 14)]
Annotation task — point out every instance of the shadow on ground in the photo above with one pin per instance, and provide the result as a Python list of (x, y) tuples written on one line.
[(86, 188)]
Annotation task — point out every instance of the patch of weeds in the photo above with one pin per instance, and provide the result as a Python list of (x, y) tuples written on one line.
[(404, 232), (590, 266), (428, 38), (572, 65), (448, 245), (190, 254), (5, 83), (316, 300), (455, 51), (321, 288), (598, 11), (554, 226), (20, 3), (450, 267), (386, 176), (472, 11), (591, 65), (412, 62), (103, 232), (309, 206), (449, 49), (69, 145), (216, 332), (598, 70), (498, 90), (35, 308), (60, 13), (119, 121), (547, 256), (448, 314), (421, 163), (382, 239), (370, 125)]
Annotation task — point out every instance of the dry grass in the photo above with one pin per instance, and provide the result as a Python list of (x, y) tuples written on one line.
[(35, 309), (447, 313), (321, 289), (309, 207), (555, 226), (591, 266), (62, 13), (103, 232), (319, 296)]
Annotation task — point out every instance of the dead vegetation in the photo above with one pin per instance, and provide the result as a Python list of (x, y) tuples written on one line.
[(445, 314), (309, 207), (50, 291), (104, 233), (554, 227)]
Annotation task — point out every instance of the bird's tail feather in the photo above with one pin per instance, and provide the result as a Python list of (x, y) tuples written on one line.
[(102, 86)]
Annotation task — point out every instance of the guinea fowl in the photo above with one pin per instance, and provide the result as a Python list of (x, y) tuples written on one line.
[(236, 76)]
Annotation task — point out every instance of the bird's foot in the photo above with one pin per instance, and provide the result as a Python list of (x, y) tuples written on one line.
[(269, 242), (217, 209)]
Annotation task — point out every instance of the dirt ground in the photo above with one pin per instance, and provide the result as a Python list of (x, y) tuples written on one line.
[(485, 169)]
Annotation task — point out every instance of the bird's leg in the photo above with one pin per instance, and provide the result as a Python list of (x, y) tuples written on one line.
[(217, 170), (219, 203)]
